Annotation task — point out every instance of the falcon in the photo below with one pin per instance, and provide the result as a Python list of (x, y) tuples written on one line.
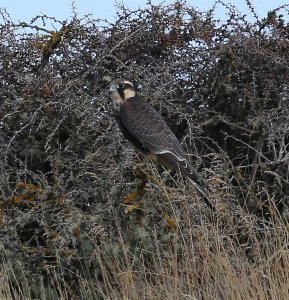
[(145, 128)]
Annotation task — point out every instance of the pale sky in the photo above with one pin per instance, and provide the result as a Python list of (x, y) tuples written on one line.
[(25, 10)]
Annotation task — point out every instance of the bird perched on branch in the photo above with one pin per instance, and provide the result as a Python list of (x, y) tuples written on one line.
[(145, 128)]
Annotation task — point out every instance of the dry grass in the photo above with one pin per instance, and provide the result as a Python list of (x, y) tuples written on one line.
[(231, 255)]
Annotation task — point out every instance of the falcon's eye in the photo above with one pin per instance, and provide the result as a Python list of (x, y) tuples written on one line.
[(121, 85)]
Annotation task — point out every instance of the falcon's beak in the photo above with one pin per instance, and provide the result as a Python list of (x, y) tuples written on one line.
[(112, 89)]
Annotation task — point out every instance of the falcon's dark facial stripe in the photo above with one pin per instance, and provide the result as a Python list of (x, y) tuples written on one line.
[(145, 128), (124, 88), (120, 90)]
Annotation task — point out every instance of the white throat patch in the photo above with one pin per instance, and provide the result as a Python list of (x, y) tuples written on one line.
[(128, 93)]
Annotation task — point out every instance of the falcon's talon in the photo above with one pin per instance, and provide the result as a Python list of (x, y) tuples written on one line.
[(145, 128)]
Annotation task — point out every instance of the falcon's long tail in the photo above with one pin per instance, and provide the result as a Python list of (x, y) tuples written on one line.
[(187, 170), (204, 194)]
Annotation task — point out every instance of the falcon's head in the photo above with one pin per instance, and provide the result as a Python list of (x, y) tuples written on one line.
[(121, 90)]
